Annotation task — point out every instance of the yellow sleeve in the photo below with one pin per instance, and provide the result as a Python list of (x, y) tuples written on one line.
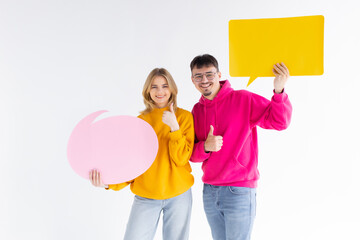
[(182, 141), (119, 186)]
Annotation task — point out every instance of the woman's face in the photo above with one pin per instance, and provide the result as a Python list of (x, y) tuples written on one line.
[(160, 92)]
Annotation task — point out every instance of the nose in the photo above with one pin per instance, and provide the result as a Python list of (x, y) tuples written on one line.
[(160, 90), (204, 78)]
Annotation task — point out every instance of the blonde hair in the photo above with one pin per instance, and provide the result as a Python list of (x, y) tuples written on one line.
[(149, 103)]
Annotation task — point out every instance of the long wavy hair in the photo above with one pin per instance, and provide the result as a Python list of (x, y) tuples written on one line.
[(149, 103)]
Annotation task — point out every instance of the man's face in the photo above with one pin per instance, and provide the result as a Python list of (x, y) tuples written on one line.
[(206, 80)]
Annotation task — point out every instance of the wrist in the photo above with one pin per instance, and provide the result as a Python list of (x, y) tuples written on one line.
[(206, 151), (174, 128), (277, 91)]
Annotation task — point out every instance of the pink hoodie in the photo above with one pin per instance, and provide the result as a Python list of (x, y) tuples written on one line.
[(234, 116)]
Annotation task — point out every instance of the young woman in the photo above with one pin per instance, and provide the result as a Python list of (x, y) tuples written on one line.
[(165, 186)]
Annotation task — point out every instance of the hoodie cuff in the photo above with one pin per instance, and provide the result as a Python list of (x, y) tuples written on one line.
[(204, 155), (279, 97)]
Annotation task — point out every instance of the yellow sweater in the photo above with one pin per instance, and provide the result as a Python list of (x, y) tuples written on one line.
[(170, 174)]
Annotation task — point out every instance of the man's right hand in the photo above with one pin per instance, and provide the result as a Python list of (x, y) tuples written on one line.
[(213, 143), (95, 179)]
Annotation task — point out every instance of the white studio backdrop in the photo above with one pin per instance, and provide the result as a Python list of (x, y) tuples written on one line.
[(61, 60)]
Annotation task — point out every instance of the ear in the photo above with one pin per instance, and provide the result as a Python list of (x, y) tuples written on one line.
[(219, 74)]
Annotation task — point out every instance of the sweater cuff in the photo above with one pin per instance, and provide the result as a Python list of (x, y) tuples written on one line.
[(176, 135)]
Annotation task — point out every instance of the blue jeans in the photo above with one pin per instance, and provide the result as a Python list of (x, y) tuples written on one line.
[(230, 211), (145, 214)]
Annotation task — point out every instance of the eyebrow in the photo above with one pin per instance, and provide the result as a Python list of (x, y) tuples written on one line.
[(204, 72), (161, 85)]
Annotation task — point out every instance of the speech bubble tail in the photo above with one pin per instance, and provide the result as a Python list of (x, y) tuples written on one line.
[(252, 78)]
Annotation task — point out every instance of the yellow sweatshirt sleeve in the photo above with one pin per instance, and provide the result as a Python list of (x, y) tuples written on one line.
[(182, 141), (119, 186)]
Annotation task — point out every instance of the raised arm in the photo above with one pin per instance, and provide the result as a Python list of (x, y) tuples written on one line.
[(181, 137), (274, 114)]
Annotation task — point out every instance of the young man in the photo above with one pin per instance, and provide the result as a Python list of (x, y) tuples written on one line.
[(226, 143)]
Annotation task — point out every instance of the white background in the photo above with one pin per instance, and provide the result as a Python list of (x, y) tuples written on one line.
[(61, 60)]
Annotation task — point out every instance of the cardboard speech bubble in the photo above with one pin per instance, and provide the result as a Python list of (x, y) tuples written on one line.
[(255, 45), (120, 147)]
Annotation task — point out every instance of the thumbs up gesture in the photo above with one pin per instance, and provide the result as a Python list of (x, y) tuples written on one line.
[(213, 143), (169, 119)]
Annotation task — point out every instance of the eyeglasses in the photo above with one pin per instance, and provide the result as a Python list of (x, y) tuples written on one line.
[(209, 75)]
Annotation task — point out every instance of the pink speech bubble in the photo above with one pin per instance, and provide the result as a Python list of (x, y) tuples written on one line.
[(120, 147)]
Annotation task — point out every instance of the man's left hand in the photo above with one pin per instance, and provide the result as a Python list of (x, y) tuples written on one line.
[(281, 76)]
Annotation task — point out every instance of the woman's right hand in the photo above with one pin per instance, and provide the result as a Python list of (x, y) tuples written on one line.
[(169, 118), (95, 179)]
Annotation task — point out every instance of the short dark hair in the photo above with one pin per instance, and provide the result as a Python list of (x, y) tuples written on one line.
[(204, 60)]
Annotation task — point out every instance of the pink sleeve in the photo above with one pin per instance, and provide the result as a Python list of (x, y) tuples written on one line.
[(274, 114), (199, 154)]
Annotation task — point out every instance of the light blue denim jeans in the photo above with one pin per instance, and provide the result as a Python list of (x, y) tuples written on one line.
[(145, 214), (230, 211)]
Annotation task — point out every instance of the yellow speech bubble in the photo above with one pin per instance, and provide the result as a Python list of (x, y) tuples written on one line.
[(255, 45)]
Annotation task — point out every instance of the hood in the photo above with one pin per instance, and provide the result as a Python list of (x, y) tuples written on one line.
[(225, 89)]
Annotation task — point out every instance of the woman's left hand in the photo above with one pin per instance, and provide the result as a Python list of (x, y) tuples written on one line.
[(169, 119)]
